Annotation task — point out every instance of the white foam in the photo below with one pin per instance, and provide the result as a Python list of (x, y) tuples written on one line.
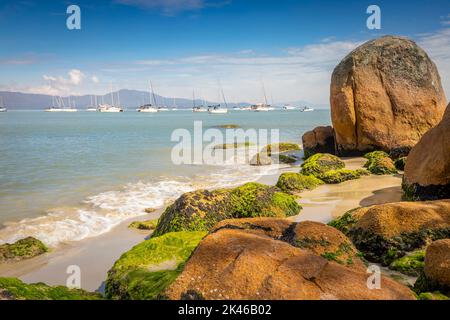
[(100, 213)]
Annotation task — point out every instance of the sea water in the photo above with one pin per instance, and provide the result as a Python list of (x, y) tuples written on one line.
[(69, 176)]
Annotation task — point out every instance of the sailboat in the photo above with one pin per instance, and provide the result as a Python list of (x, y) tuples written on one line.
[(307, 109), (2, 105), (288, 107), (111, 108), (262, 107), (197, 108), (57, 103), (92, 107), (148, 108), (217, 109)]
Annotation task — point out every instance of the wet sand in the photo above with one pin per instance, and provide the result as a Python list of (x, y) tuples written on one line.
[(95, 256)]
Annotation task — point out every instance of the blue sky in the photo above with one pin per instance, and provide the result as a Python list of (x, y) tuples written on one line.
[(183, 44)]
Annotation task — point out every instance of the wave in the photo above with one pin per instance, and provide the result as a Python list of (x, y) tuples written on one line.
[(100, 213)]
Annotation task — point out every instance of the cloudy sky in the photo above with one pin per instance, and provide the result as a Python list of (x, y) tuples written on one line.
[(291, 46)]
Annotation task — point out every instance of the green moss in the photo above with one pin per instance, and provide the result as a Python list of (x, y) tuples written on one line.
[(148, 268), (12, 288), (234, 145), (432, 296), (22, 249), (345, 222), (144, 225), (400, 163), (286, 159), (412, 264), (378, 162), (201, 210), (344, 249), (281, 147), (320, 163), (310, 243), (341, 175), (297, 182)]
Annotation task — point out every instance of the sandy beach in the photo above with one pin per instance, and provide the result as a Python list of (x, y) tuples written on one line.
[(95, 256)]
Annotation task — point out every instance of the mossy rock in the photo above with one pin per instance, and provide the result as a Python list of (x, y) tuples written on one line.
[(200, 210), (22, 249), (281, 147), (320, 163), (227, 126), (412, 264), (14, 289), (234, 145), (345, 222), (297, 182), (149, 267), (400, 163), (432, 296), (426, 284), (261, 159), (379, 163), (288, 159), (341, 175), (144, 225)]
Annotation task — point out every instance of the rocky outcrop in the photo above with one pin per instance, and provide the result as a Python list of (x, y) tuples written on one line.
[(148, 268), (14, 289), (144, 225), (22, 249), (387, 232), (427, 170), (200, 210), (318, 140), (292, 182), (266, 258), (261, 159), (436, 276), (384, 95)]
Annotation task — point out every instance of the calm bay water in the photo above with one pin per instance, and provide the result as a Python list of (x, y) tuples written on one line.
[(68, 176)]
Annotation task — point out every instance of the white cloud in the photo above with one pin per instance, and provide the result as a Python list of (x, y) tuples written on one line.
[(58, 85), (95, 79), (172, 7)]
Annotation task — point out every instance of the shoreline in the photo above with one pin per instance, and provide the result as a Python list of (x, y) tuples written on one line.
[(96, 255)]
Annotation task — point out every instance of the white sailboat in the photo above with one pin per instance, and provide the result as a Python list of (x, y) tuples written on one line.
[(2, 105), (197, 108), (262, 107), (111, 108), (217, 108), (289, 107), (307, 109), (93, 106), (71, 108), (148, 108), (56, 105)]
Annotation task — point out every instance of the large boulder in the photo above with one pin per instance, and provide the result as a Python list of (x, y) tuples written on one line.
[(436, 276), (200, 210), (427, 170), (384, 95), (318, 140), (268, 259), (387, 232)]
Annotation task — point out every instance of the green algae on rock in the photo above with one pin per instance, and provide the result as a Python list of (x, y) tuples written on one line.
[(378, 162), (200, 210), (14, 289), (297, 182), (22, 249), (432, 296), (288, 159), (320, 163), (144, 225), (281, 147), (411, 264), (149, 267), (341, 175), (400, 163)]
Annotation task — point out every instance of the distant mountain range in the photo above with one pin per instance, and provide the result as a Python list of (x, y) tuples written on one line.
[(130, 99)]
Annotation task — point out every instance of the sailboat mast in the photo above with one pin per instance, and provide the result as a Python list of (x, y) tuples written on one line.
[(153, 94), (265, 96), (193, 98), (223, 96), (112, 95)]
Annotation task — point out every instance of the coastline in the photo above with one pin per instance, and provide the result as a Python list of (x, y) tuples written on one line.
[(321, 204)]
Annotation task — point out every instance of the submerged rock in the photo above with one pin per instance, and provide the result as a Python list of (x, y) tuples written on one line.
[(319, 140), (200, 210), (384, 95), (144, 225), (148, 268), (269, 258), (14, 289), (427, 171), (22, 249), (281, 147), (378, 162), (261, 159), (387, 232)]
